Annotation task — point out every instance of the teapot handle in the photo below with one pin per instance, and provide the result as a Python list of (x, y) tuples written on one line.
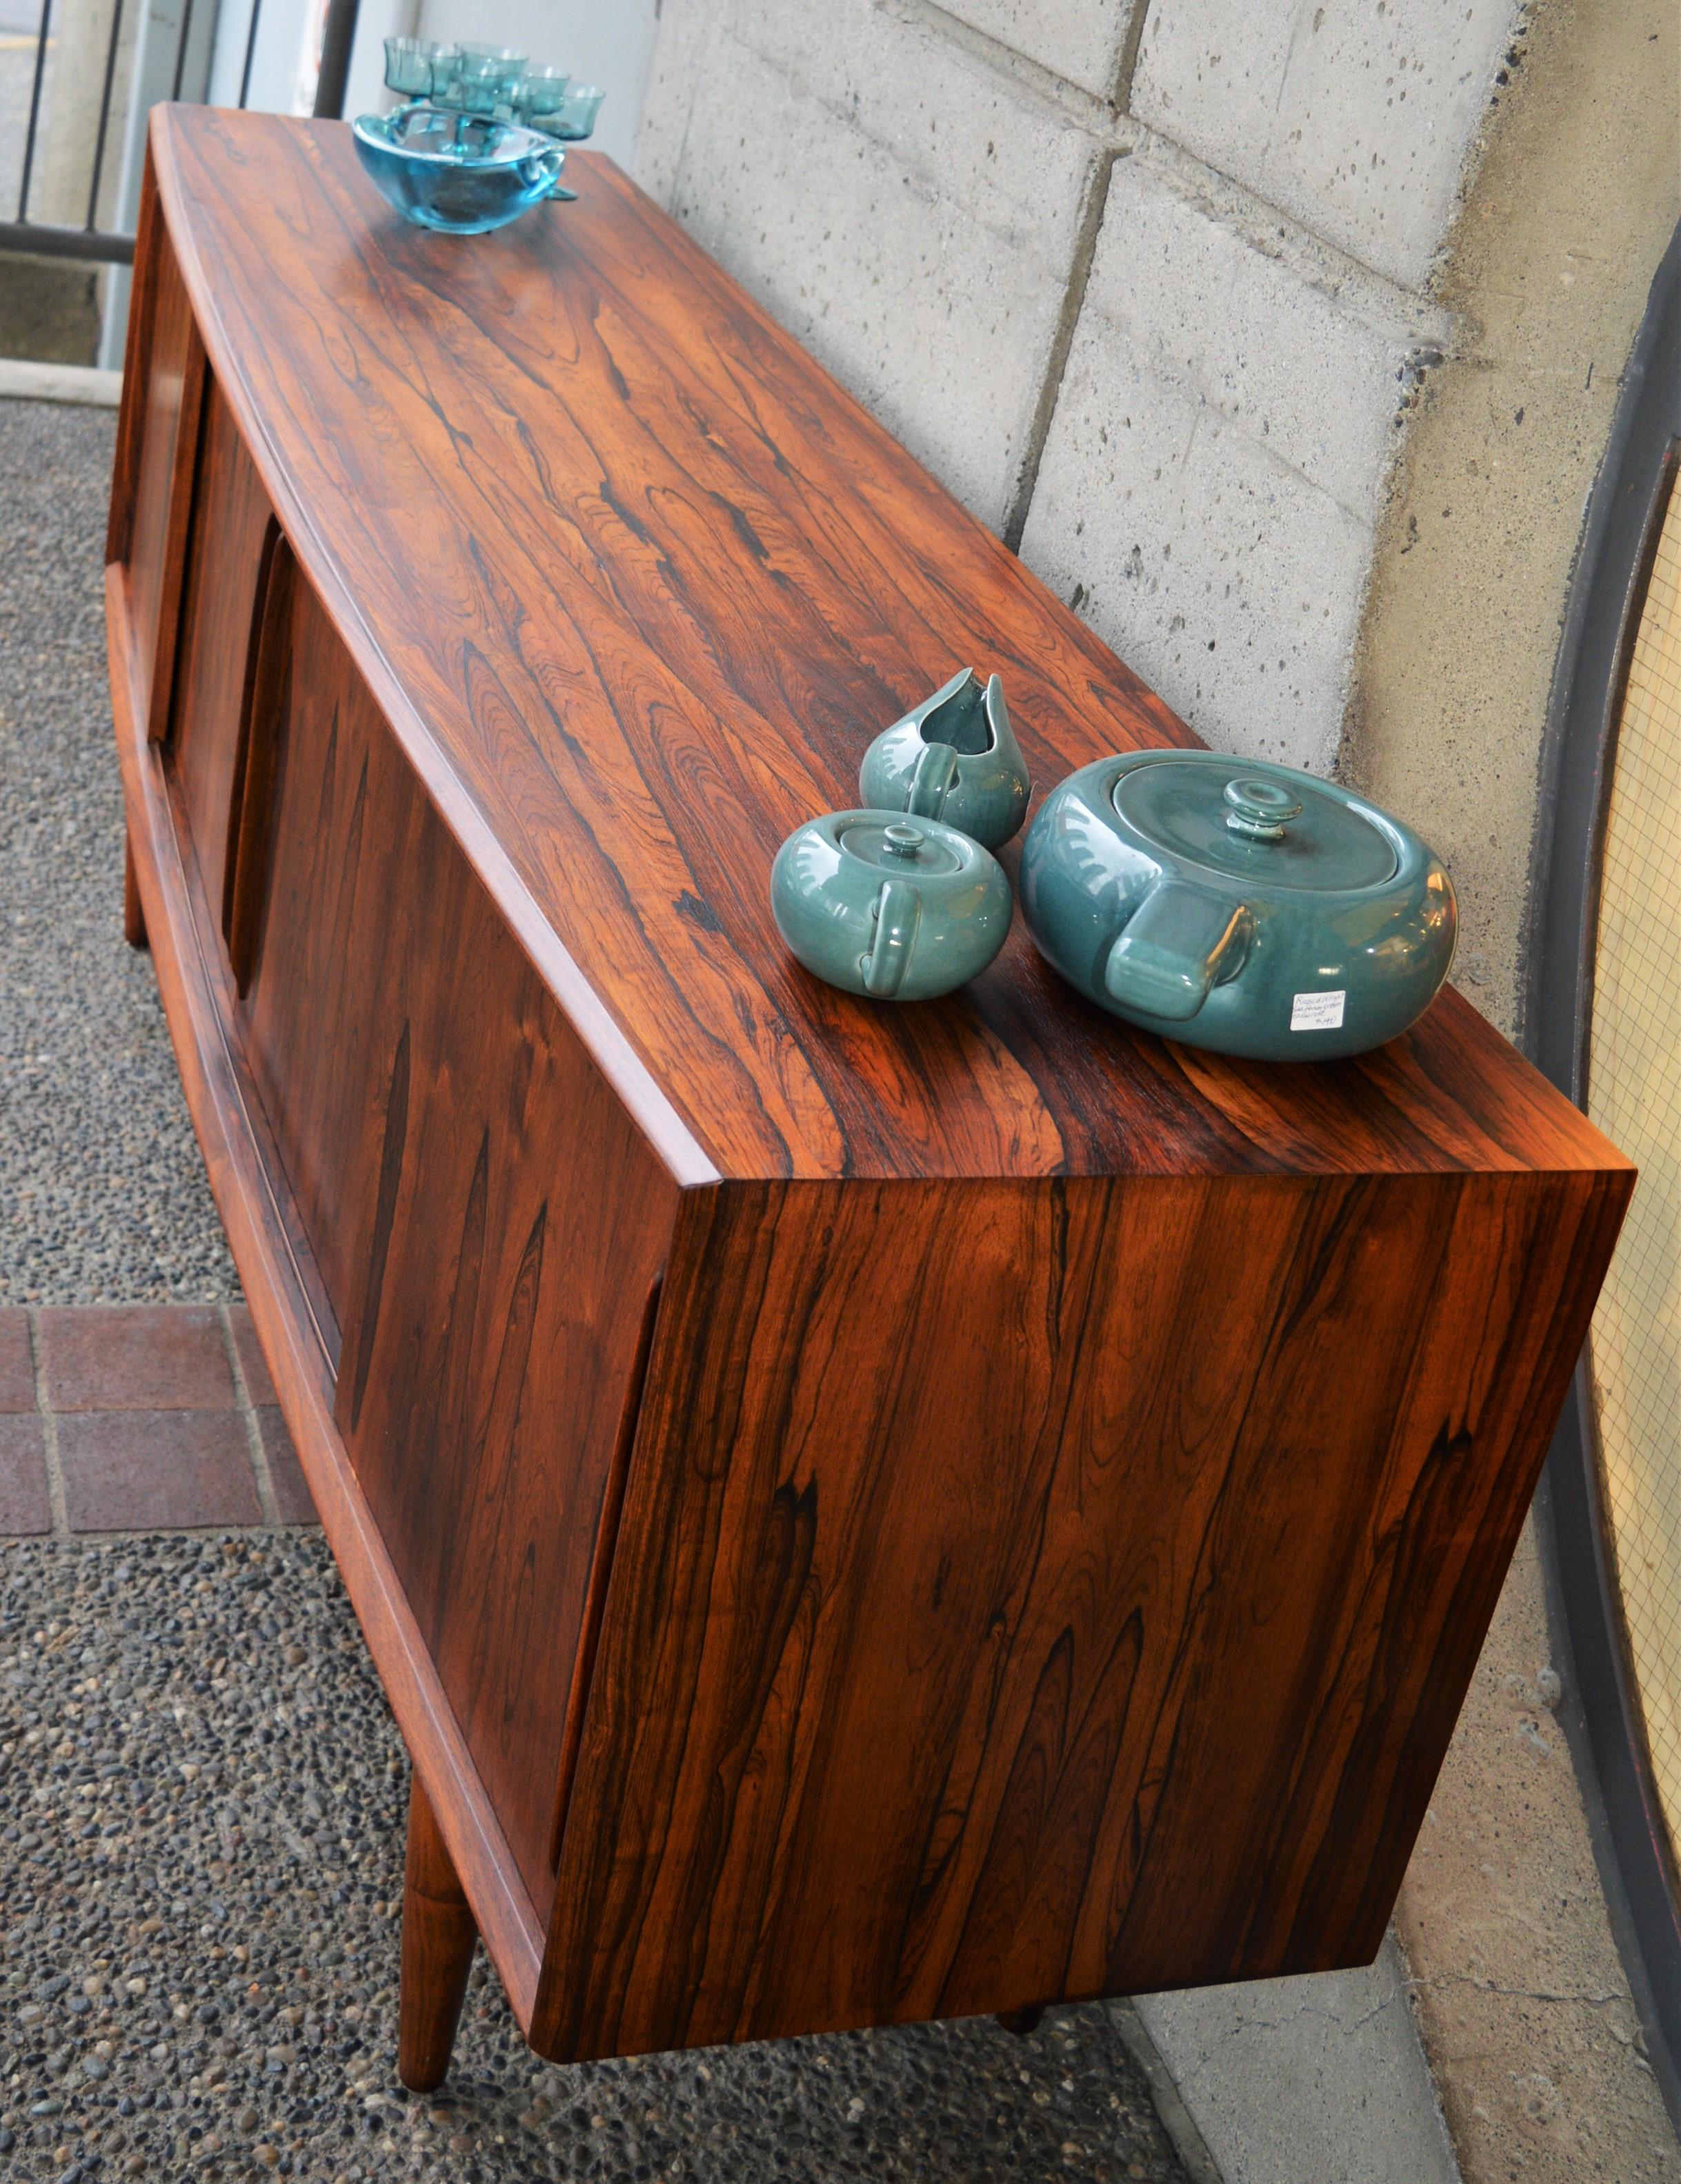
[(1177, 945), (896, 910), (936, 769)]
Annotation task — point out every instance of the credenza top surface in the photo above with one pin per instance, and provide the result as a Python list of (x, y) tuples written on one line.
[(635, 582)]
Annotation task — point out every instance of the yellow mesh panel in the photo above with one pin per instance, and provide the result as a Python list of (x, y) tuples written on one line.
[(1634, 1095)]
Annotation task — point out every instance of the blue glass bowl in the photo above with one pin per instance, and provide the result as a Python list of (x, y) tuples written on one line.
[(456, 172)]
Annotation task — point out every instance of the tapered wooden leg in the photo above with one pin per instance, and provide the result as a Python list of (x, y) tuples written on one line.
[(438, 1934), (1022, 2022), (134, 917)]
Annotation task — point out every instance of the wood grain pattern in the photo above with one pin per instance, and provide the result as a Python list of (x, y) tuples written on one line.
[(288, 1306), (136, 366), (254, 755), (487, 1221), (165, 440), (439, 1937), (1053, 1589), (634, 583), (134, 915), (232, 533)]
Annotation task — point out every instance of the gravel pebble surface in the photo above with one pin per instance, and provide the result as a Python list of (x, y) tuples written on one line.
[(202, 1803), (103, 1195)]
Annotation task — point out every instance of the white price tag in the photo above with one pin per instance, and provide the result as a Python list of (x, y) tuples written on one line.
[(1318, 1011)]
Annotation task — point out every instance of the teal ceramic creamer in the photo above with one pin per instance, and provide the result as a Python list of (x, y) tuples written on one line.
[(896, 908), (955, 758), (1242, 906)]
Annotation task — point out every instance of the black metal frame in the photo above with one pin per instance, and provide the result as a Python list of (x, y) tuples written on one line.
[(1601, 1710), (42, 239)]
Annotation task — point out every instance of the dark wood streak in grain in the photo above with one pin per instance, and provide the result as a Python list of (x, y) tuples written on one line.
[(601, 1569)]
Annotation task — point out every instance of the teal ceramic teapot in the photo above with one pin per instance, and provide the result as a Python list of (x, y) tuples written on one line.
[(895, 908), (1242, 906), (954, 758)]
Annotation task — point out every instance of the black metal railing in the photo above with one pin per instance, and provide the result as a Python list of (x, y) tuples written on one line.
[(50, 239)]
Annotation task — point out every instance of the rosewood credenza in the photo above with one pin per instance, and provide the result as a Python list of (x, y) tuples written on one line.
[(863, 1513)]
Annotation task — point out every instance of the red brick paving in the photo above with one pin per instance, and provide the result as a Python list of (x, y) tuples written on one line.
[(25, 1506), (252, 1364), (140, 1423), (152, 1471), (292, 1500), (136, 1357), (17, 1362)]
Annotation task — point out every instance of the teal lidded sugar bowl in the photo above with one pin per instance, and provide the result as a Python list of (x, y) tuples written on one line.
[(895, 908), (1237, 905), (955, 758)]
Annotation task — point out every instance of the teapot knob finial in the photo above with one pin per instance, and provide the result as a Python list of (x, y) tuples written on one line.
[(903, 841), (1260, 809)]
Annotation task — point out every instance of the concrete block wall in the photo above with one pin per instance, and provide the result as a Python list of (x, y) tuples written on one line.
[(1352, 116), (1122, 273), (908, 210)]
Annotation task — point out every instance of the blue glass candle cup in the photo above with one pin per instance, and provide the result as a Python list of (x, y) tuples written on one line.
[(574, 118), (540, 91), (412, 66), (488, 76)]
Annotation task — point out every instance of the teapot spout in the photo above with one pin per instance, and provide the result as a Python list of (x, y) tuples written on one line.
[(1179, 944)]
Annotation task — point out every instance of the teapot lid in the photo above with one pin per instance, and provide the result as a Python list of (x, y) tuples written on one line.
[(900, 847), (1254, 822)]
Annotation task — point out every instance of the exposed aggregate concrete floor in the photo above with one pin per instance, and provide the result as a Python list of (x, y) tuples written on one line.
[(202, 1801), (103, 1194)]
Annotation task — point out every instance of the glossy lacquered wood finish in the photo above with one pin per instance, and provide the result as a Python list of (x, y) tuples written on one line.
[(863, 1513), (284, 1291), (439, 1937), (487, 1221), (232, 529), (635, 584), (1052, 1590), (134, 916), (164, 442)]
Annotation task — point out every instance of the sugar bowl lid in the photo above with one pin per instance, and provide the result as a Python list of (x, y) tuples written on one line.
[(901, 849), (1256, 824)]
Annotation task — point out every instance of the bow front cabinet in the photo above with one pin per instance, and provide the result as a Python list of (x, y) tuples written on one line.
[(863, 1513)]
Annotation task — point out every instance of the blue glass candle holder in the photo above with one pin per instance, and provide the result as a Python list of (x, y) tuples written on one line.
[(574, 118), (455, 172)]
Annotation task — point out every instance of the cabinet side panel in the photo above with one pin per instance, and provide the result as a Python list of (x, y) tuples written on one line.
[(488, 1220), (1040, 1591), (167, 421), (231, 520), (137, 365)]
